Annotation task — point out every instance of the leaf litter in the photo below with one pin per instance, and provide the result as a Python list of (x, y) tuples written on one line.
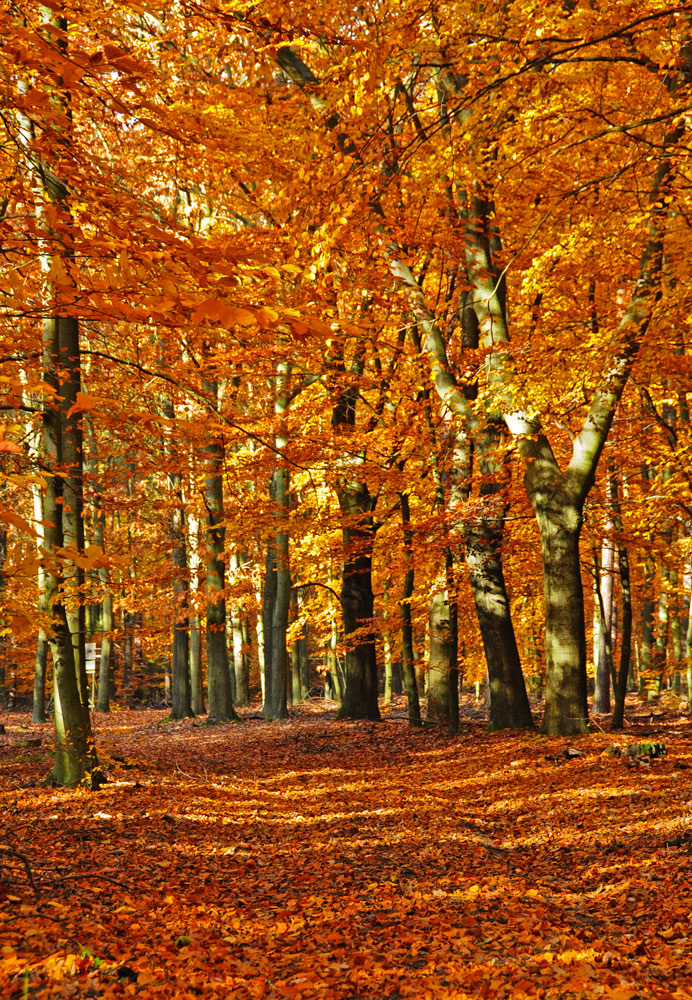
[(347, 861)]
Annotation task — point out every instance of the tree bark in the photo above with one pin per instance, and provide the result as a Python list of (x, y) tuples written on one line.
[(408, 657), (218, 677)]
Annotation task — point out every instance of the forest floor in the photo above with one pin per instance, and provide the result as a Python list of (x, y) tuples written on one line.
[(335, 860)]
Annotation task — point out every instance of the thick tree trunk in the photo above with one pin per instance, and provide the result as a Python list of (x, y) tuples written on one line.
[(443, 676), (509, 702), (566, 709)]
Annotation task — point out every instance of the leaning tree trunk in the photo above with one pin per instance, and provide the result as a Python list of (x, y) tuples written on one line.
[(75, 755), (509, 703)]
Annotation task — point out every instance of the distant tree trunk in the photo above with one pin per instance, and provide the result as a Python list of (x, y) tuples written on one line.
[(129, 619), (299, 692), (181, 690), (242, 680), (604, 601), (646, 647), (618, 719), (218, 677), (408, 657), (196, 678), (38, 713), (106, 660), (357, 604), (276, 666)]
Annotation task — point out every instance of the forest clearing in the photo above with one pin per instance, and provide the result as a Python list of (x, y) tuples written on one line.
[(348, 861)]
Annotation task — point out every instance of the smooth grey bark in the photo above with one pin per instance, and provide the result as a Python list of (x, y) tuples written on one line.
[(106, 615), (218, 677), (443, 673), (38, 712), (106, 659), (604, 600), (620, 692), (299, 690), (181, 692), (75, 754)]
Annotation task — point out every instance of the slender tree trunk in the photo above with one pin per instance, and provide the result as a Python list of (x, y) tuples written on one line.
[(218, 677), (276, 676), (181, 689), (357, 604), (38, 713), (196, 678), (604, 601), (618, 719), (408, 658)]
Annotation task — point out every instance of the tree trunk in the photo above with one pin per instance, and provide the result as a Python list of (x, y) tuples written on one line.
[(357, 604), (443, 676), (181, 690), (106, 660), (604, 601), (276, 666), (566, 709), (38, 713), (408, 657), (618, 719), (509, 702), (196, 678), (218, 677), (75, 755)]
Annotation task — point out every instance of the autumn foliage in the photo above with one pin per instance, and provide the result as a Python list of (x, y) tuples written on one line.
[(343, 860)]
